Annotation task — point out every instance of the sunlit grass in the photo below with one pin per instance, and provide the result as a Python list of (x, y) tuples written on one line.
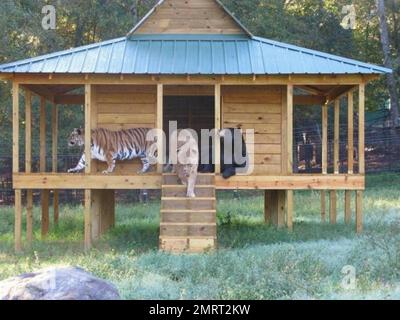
[(254, 261)]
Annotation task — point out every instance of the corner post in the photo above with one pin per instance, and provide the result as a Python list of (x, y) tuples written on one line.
[(350, 153), (18, 197), (217, 94), (28, 165), (361, 154), (324, 156), (54, 149), (44, 193), (88, 167), (289, 135), (336, 141), (160, 125)]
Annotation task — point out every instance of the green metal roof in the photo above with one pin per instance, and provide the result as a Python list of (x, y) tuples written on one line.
[(191, 54)]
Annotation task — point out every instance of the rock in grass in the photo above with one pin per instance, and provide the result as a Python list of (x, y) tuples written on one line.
[(61, 283)]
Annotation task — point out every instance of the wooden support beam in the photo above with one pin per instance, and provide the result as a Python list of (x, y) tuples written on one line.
[(88, 128), (274, 210), (289, 128), (102, 212), (361, 129), (194, 80), (308, 100), (359, 211), (336, 160), (333, 206), (323, 206), (69, 99), (325, 139), (268, 206), (347, 206), (28, 165), (28, 131), (217, 95), (88, 220), (44, 193), (54, 150), (15, 127), (42, 134), (160, 126), (29, 217), (289, 209), (18, 221), (350, 133), (311, 90)]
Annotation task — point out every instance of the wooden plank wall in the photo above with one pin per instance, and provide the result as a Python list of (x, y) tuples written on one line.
[(122, 107), (190, 17), (259, 108)]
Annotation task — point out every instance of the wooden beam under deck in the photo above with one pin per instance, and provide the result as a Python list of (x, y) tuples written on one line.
[(66, 79), (154, 181)]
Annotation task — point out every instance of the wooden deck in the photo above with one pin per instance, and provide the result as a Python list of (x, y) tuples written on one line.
[(55, 181)]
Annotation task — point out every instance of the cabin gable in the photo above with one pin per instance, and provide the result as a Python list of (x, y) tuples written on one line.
[(189, 17)]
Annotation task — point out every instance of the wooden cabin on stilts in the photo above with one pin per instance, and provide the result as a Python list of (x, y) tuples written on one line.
[(198, 53)]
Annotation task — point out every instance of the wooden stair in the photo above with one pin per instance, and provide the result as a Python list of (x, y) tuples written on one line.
[(188, 224)]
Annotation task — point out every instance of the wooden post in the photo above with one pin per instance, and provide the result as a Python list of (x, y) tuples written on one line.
[(350, 133), (217, 128), (102, 212), (44, 193), (323, 206), (337, 137), (88, 167), (361, 129), (88, 128), (88, 218), (350, 152), (28, 165), (333, 206), (325, 139), (274, 210), (54, 149), (359, 211), (289, 114), (289, 209), (324, 156), (18, 197), (289, 136), (18, 221), (347, 206), (160, 125), (361, 155)]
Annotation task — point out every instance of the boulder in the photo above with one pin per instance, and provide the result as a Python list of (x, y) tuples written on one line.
[(60, 283)]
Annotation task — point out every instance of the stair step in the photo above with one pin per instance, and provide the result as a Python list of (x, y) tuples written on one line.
[(188, 230), (188, 203), (202, 179), (187, 199), (184, 244), (188, 216), (168, 224), (201, 191)]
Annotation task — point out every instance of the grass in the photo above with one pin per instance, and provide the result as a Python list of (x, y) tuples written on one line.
[(254, 261)]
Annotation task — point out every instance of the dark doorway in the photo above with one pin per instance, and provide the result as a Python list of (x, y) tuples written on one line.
[(190, 112)]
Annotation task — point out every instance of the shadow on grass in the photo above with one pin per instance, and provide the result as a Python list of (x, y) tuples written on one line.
[(243, 234)]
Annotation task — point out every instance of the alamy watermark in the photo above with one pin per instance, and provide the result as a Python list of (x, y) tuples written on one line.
[(49, 19), (349, 281), (349, 19)]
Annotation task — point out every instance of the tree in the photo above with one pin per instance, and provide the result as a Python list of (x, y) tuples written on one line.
[(391, 80)]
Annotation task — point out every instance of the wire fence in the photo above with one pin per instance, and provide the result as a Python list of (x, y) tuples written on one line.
[(382, 154)]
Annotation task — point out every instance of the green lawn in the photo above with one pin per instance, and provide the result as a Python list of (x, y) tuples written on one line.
[(254, 261)]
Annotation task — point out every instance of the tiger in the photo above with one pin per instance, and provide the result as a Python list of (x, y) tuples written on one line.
[(110, 146)]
